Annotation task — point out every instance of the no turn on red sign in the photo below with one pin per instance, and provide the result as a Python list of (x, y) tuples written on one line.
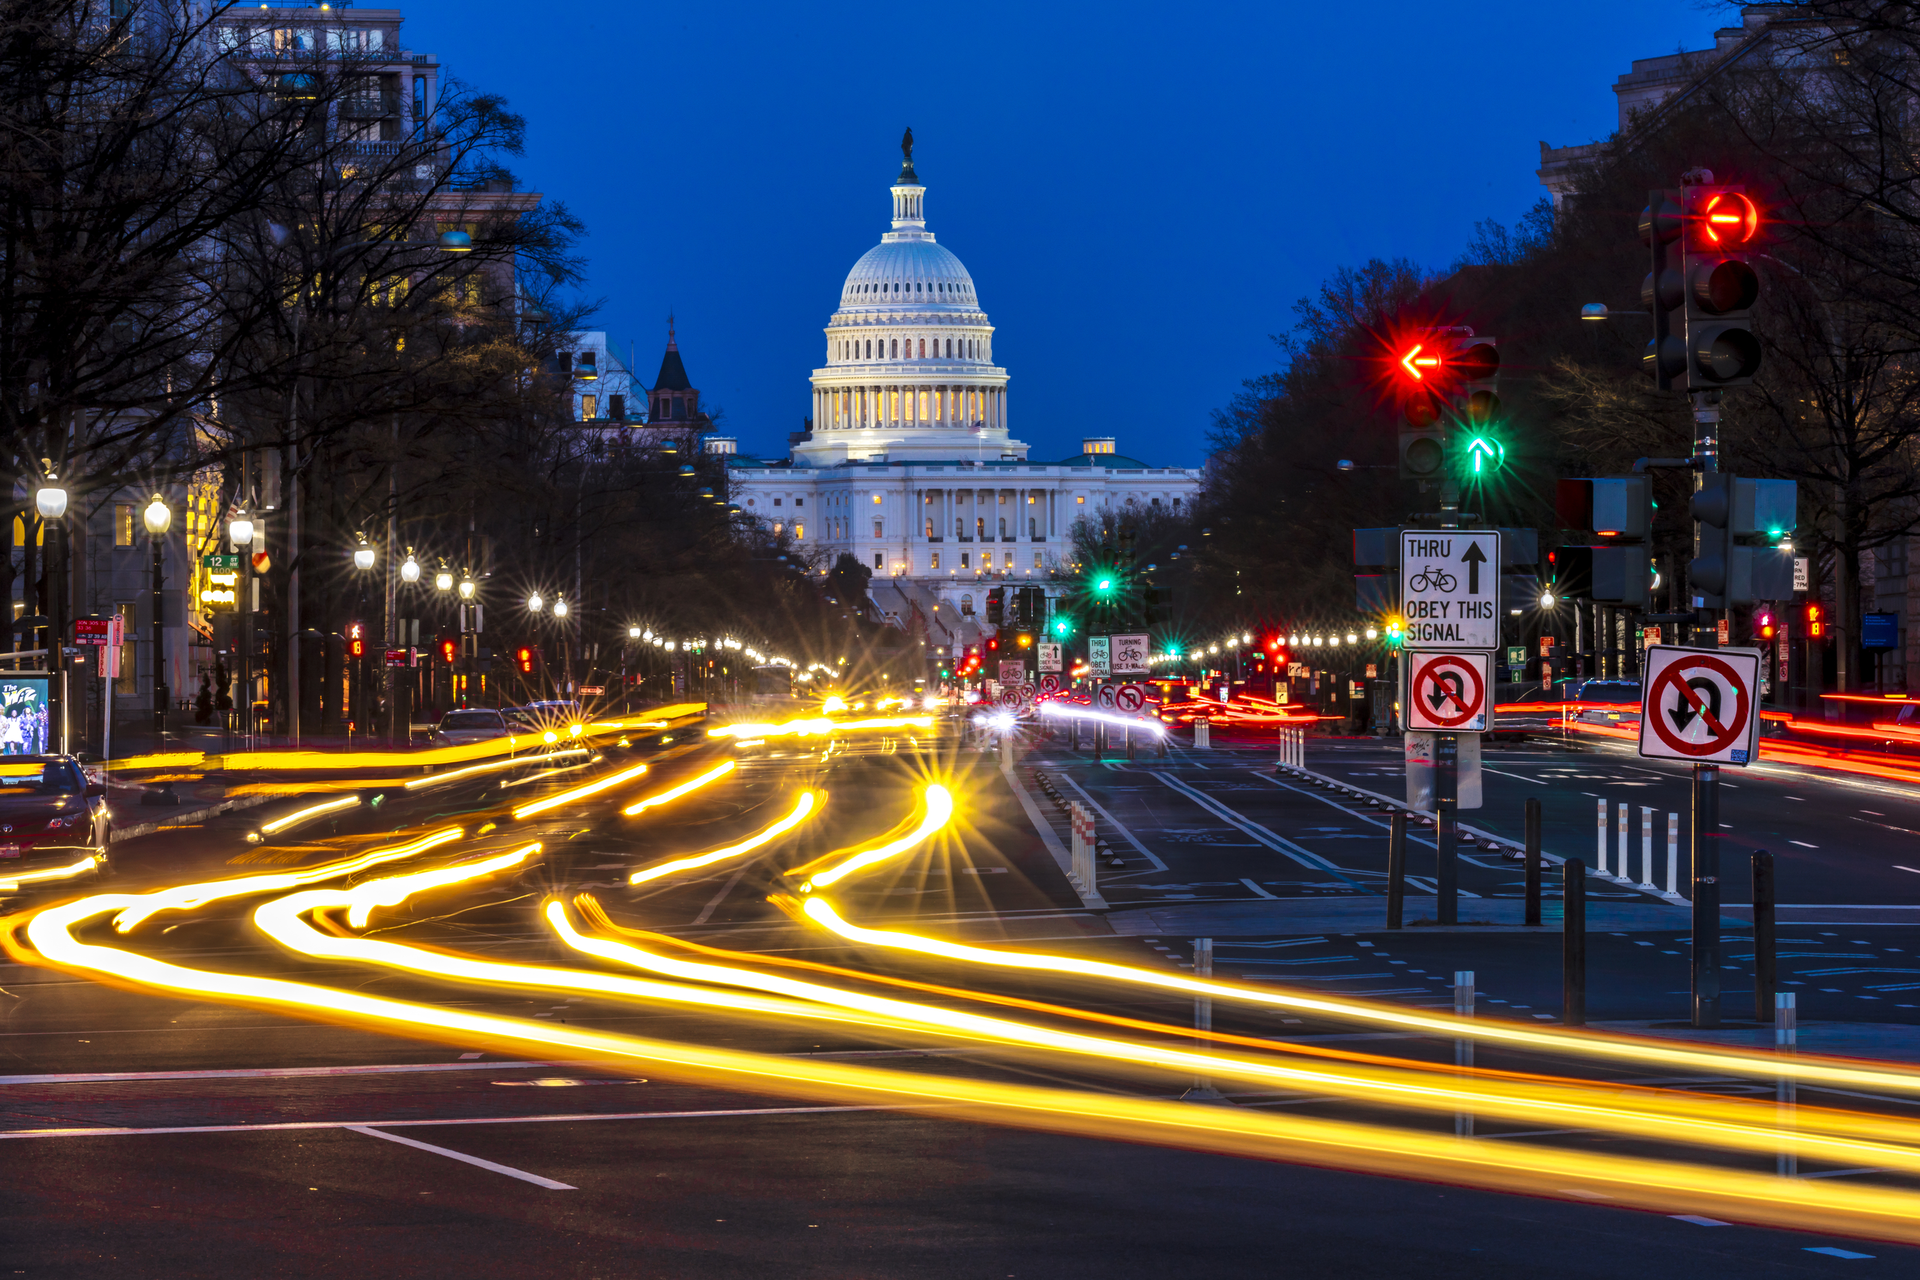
[(1447, 692), (1701, 705)]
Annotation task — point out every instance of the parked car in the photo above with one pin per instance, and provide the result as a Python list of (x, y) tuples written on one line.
[(51, 816), (457, 728), (1607, 702)]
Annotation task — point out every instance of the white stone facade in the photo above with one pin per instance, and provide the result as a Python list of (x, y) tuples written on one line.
[(910, 466)]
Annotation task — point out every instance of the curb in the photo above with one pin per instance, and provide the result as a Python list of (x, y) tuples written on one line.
[(193, 815)]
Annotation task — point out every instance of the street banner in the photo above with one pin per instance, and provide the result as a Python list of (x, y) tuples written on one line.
[(1099, 657), (1450, 588), (1448, 691), (1049, 656), (1701, 705), (1129, 656)]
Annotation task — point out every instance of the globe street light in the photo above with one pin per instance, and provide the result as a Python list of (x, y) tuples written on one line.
[(535, 603), (559, 608), (363, 556), (443, 581), (466, 588), (50, 500), (410, 568), (240, 531), (158, 519)]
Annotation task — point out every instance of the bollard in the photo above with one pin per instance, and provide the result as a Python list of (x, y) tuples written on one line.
[(1006, 752), (1600, 850), (1624, 859), (1573, 946), (1533, 860), (1396, 867), (1673, 855), (1646, 848), (1463, 1047), (1203, 1089), (1765, 952), (1786, 1039), (1128, 733)]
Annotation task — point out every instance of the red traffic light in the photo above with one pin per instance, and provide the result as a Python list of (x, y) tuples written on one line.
[(1421, 361), (1763, 624), (449, 649), (1816, 622), (525, 659), (1728, 218)]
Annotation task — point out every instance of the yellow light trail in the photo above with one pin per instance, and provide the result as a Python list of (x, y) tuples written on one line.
[(391, 891), (580, 793), (816, 727), (1804, 1067), (802, 808), (714, 774), (183, 897), (1743, 1126), (939, 811), (46, 875), (492, 766), (311, 811)]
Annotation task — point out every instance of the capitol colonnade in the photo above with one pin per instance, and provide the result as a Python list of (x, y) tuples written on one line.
[(900, 405)]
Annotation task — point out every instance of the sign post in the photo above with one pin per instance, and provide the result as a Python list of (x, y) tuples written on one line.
[(1701, 705)]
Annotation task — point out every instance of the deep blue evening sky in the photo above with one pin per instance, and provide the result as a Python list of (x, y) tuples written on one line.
[(1140, 191)]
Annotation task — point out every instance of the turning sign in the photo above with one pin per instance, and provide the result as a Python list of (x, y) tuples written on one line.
[(1448, 691), (1700, 705)]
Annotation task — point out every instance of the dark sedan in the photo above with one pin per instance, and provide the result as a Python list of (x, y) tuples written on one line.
[(53, 821)]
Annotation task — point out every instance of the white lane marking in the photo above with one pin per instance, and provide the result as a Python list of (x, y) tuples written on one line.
[(468, 1057), (1278, 844), (1089, 897), (706, 912), (1832, 1252), (265, 1073), (1257, 889), (1699, 1221), (1803, 844), (1898, 867), (464, 1158), (1115, 823), (1538, 782), (416, 1124)]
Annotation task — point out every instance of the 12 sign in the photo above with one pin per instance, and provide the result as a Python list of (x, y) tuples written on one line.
[(1448, 691), (1450, 588), (1700, 705), (1129, 655)]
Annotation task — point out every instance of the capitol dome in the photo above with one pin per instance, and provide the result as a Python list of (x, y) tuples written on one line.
[(909, 372)]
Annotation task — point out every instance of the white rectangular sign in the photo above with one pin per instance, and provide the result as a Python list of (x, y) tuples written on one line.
[(1099, 655), (1701, 705), (1129, 655), (1450, 588), (1450, 692), (1049, 656)]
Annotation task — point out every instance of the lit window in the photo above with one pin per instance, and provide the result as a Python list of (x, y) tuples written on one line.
[(879, 559), (1036, 559), (123, 524), (936, 560), (589, 407), (876, 499), (1082, 499), (799, 531), (777, 528), (1009, 559)]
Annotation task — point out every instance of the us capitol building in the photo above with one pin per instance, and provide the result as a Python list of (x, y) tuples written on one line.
[(910, 464)]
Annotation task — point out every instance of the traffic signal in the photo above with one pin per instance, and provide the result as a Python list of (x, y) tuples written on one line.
[(1106, 584), (1718, 227), (1395, 632), (1618, 515), (526, 660), (997, 606), (1763, 624), (449, 649), (1734, 516), (1060, 628), (356, 640), (993, 644), (1664, 292), (1419, 365), (1816, 622), (1024, 640)]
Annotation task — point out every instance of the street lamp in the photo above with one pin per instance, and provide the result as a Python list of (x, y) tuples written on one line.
[(240, 531), (535, 603), (50, 500), (158, 519), (466, 587), (1546, 599), (443, 581), (410, 568), (456, 242), (362, 556), (559, 607)]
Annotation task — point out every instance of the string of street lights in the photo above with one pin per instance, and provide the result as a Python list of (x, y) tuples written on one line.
[(1293, 640)]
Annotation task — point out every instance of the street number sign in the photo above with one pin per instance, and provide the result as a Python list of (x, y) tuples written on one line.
[(1450, 588), (1049, 657), (1099, 656), (1129, 655), (1129, 698), (1701, 705), (1448, 691)]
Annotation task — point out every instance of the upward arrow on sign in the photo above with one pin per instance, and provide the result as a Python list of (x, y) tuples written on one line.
[(1473, 559)]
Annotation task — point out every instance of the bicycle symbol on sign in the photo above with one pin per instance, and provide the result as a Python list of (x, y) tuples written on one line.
[(1432, 580)]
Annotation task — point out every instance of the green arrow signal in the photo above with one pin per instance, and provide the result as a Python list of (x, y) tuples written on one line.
[(1485, 454)]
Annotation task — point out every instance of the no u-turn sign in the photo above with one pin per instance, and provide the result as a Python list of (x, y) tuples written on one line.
[(1701, 705)]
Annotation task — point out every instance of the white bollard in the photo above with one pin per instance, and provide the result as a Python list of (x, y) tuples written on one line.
[(1203, 734), (1673, 855), (1646, 848), (1626, 849), (1600, 848), (1463, 1048), (1786, 1039)]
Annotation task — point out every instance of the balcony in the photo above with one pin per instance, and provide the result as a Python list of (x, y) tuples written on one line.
[(370, 106)]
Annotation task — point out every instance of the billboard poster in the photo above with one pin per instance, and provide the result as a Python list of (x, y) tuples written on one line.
[(23, 714)]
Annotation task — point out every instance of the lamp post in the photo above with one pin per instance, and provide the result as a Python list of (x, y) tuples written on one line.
[(468, 589), (158, 520), (240, 533), (443, 591), (566, 641), (50, 500), (534, 605), (363, 558)]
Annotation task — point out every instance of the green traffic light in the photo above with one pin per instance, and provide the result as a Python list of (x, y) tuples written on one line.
[(1061, 626), (1104, 586), (1485, 454)]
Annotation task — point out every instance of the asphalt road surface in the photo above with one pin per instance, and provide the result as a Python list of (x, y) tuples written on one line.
[(149, 1134)]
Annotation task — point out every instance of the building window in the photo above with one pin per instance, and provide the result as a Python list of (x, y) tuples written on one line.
[(876, 499), (1009, 559), (776, 502), (589, 407), (1033, 528), (896, 348), (1176, 504), (929, 526), (776, 528), (617, 407), (949, 348), (869, 348), (123, 524), (1156, 502), (923, 348), (799, 531), (799, 502), (966, 602), (877, 527), (879, 560), (1081, 500), (936, 560), (1036, 561), (980, 528), (1003, 526)]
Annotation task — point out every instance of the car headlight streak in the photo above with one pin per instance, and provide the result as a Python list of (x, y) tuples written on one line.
[(714, 774), (802, 808), (817, 727), (939, 810)]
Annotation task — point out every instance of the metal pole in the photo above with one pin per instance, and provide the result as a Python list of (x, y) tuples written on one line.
[(159, 651), (1786, 1039), (1396, 867), (1533, 859), (1765, 970), (1573, 946), (1706, 895), (1446, 747), (1203, 1017)]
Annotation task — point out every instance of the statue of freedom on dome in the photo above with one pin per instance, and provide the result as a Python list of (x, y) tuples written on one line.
[(906, 146)]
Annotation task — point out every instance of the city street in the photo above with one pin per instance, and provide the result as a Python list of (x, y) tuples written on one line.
[(228, 1138)]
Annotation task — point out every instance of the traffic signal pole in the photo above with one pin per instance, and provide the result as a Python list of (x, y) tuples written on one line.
[(1706, 895), (1446, 828)]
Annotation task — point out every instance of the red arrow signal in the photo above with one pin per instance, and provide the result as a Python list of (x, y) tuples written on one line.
[(1413, 362)]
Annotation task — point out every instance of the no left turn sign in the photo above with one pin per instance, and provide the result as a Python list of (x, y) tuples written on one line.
[(1700, 705), (1448, 691)]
